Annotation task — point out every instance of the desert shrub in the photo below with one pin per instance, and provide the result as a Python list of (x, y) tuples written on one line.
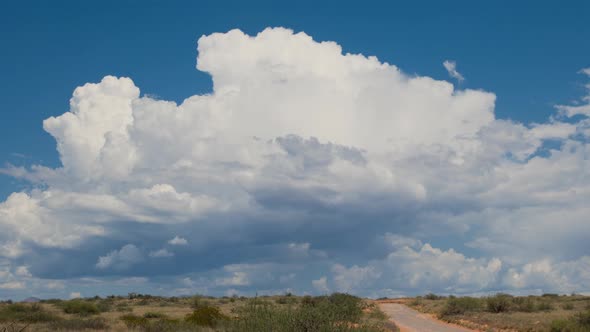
[(286, 300), (151, 314), (318, 314), (143, 324), (577, 323), (133, 321), (432, 296), (199, 301), (205, 316), (545, 306), (498, 303), (342, 307), (13, 327), (416, 302), (104, 305), (27, 313), (79, 324), (258, 301), (309, 301), (562, 325), (165, 325), (568, 306), (262, 317), (523, 304), (123, 307), (377, 314), (143, 302), (52, 301), (460, 305), (345, 307), (583, 319), (80, 307)]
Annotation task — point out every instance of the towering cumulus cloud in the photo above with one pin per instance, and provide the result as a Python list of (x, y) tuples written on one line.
[(305, 169)]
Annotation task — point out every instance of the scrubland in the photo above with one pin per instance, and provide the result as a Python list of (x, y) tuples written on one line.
[(137, 312), (503, 312)]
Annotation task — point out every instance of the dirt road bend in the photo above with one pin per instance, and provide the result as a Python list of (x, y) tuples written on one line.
[(410, 320)]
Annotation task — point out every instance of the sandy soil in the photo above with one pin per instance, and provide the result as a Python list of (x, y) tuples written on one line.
[(409, 320)]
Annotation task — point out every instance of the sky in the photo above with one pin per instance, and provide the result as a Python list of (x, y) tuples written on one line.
[(220, 148)]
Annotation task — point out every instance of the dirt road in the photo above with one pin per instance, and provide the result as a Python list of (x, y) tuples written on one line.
[(410, 320)]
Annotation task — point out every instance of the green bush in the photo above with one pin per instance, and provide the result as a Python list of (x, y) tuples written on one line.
[(26, 313), (524, 304), (199, 301), (416, 302), (568, 306), (316, 314), (545, 306), (432, 296), (562, 325), (578, 323), (377, 314), (104, 305), (123, 307), (498, 303), (309, 301), (151, 314), (52, 301), (286, 300), (343, 307), (460, 305), (167, 325), (205, 316), (133, 321), (78, 324), (80, 307)]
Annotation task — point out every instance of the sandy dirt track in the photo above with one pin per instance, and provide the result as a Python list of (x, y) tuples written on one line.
[(409, 320)]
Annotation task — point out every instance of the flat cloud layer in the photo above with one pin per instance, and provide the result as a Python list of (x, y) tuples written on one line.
[(305, 170)]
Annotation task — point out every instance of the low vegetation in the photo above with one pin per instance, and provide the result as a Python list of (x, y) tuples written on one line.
[(137, 312), (548, 312), (25, 313), (338, 312), (78, 324), (80, 307), (579, 322)]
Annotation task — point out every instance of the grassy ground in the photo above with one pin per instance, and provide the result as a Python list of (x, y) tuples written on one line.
[(508, 313), (288, 313)]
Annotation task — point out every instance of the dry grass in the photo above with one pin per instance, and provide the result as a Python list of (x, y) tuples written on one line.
[(149, 313), (530, 313)]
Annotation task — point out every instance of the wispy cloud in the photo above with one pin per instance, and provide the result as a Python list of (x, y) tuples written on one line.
[(451, 67)]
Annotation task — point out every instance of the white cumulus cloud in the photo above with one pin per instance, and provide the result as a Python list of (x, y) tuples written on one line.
[(178, 241), (297, 144), (120, 259)]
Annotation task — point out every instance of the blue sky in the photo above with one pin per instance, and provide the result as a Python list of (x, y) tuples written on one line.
[(528, 56)]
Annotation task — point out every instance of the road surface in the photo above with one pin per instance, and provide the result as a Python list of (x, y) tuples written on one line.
[(410, 320)]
